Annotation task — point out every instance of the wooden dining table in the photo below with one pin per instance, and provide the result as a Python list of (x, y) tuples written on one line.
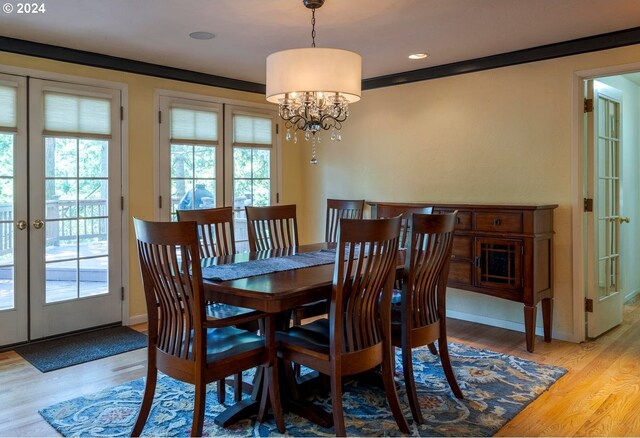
[(275, 294)]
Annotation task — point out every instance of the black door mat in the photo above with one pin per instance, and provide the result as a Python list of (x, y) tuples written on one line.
[(84, 347)]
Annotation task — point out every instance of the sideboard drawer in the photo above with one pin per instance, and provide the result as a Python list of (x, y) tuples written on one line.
[(460, 272), (499, 222), (463, 219), (461, 247)]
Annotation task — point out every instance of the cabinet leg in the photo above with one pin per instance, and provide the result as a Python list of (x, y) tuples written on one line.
[(530, 327), (547, 317)]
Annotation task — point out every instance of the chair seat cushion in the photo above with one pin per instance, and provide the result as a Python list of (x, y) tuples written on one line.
[(313, 336), (225, 342)]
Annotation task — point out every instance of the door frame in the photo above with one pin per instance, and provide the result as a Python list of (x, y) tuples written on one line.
[(577, 175), (124, 158)]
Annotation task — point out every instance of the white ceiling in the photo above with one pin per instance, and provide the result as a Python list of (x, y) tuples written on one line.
[(384, 32)]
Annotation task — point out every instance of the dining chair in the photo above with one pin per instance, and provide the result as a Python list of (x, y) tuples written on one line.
[(215, 229), (186, 342), (356, 335), (338, 209), (392, 210), (419, 318), (217, 239), (273, 227)]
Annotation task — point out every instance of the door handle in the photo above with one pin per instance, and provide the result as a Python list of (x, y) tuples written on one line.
[(21, 225), (37, 224), (622, 220)]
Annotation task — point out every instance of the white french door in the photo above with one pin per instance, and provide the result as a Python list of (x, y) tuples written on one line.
[(603, 225), (205, 163), (14, 312), (60, 214)]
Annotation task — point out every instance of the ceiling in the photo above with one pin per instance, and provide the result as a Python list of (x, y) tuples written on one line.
[(384, 32)]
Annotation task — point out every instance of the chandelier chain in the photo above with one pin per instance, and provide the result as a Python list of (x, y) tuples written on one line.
[(313, 27)]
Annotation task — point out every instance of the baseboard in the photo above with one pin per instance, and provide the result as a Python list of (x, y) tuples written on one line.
[(509, 325), (137, 319), (631, 295)]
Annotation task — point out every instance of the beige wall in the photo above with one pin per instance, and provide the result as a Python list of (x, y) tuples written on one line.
[(141, 119), (497, 136)]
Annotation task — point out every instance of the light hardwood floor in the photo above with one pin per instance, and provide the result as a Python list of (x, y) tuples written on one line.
[(600, 396)]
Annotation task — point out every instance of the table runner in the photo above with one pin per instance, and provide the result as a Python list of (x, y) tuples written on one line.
[(251, 268)]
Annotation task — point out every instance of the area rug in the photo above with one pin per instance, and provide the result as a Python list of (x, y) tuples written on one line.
[(496, 387), (84, 347)]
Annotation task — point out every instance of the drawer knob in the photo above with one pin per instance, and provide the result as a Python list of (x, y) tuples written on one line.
[(496, 222)]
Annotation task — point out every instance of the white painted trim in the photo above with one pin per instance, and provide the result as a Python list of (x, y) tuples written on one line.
[(631, 295), (577, 162), (509, 325), (137, 319), (212, 99)]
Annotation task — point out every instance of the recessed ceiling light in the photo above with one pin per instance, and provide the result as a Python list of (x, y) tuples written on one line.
[(418, 56), (201, 35)]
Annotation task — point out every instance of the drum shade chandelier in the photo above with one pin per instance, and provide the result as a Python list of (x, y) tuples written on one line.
[(313, 87)]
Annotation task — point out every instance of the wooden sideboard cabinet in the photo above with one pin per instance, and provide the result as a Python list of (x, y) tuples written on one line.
[(505, 251)]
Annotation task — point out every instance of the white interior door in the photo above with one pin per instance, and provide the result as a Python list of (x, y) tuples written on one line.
[(75, 207), (14, 311), (603, 224)]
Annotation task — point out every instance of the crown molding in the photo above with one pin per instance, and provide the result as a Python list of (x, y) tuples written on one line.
[(91, 59), (594, 43)]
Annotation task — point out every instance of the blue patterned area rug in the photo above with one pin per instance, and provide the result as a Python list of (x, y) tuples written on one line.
[(496, 387)]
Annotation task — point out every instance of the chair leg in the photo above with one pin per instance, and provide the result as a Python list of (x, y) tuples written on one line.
[(297, 320), (410, 385), (336, 404), (446, 366), (432, 349), (147, 400), (198, 408), (221, 391), (237, 388), (390, 388)]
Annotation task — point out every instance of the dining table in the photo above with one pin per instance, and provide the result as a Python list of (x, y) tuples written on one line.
[(276, 294)]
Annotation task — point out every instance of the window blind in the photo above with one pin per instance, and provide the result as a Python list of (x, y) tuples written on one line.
[(8, 108), (189, 125), (251, 130), (77, 115)]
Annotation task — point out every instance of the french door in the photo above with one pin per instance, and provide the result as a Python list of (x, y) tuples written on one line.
[(62, 246), (603, 225), (214, 155)]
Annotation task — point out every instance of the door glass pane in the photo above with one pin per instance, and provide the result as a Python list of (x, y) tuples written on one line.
[(7, 228), (77, 223), (193, 177), (251, 186)]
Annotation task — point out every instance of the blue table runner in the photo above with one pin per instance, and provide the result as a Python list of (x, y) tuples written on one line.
[(251, 268)]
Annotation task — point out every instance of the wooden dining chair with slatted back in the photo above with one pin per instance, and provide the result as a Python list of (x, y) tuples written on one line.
[(217, 239), (185, 342), (419, 318), (338, 209), (356, 335), (392, 210), (273, 227)]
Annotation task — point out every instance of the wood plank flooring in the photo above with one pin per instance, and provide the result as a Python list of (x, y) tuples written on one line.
[(600, 396)]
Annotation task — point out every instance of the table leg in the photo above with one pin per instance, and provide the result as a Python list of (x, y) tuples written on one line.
[(245, 408)]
